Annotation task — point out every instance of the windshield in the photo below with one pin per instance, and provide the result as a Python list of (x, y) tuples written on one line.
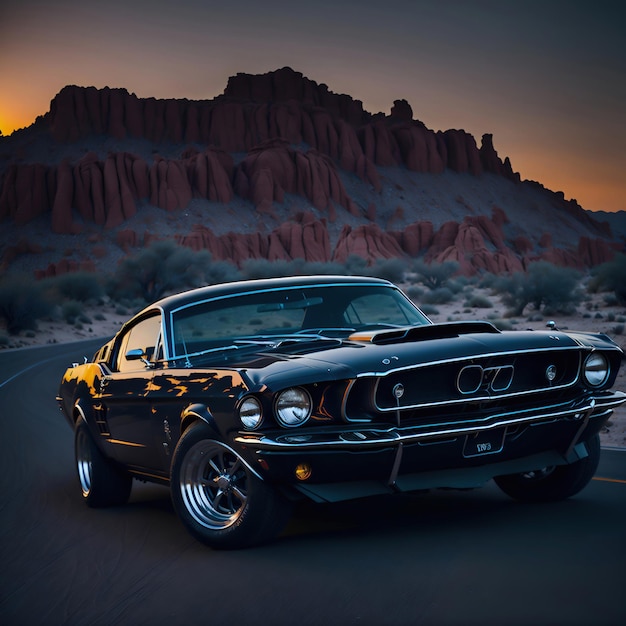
[(267, 316)]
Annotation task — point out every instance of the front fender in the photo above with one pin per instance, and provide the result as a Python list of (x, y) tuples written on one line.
[(198, 412)]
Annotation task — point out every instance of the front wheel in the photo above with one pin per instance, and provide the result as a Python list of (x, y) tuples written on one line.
[(102, 483), (221, 502), (553, 483)]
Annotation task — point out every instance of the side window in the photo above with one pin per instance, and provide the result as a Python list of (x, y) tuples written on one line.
[(142, 336)]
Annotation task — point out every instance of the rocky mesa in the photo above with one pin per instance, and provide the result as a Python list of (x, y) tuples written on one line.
[(276, 167)]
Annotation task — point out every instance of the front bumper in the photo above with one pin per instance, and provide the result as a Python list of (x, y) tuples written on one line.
[(354, 461), (378, 437)]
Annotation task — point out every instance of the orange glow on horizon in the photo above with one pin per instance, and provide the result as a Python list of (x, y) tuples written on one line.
[(558, 170), (11, 121), (16, 115)]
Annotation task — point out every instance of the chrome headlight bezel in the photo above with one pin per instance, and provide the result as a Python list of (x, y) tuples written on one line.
[(293, 407), (596, 369), (250, 413)]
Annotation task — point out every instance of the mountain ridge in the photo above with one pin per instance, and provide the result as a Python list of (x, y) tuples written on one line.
[(276, 167)]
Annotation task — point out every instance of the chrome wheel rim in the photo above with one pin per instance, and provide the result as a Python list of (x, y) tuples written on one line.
[(83, 462), (214, 485)]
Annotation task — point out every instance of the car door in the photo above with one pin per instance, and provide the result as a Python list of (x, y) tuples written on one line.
[(135, 437)]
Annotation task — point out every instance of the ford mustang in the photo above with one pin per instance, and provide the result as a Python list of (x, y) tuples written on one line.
[(244, 397)]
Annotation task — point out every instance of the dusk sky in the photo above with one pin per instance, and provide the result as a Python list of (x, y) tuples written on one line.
[(546, 77)]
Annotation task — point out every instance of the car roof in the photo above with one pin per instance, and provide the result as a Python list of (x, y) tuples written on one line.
[(176, 301)]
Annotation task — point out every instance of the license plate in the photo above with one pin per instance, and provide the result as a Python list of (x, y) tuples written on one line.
[(484, 442)]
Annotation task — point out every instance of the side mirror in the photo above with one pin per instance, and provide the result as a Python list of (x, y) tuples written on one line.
[(137, 354)]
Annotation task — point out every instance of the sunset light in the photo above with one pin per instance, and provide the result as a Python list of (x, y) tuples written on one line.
[(547, 84)]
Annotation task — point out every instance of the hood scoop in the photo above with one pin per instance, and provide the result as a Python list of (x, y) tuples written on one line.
[(423, 333)]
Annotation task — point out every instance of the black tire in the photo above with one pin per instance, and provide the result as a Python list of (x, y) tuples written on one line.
[(221, 502), (553, 483), (102, 483)]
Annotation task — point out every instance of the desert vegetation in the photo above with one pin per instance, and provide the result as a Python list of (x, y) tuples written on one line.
[(79, 299)]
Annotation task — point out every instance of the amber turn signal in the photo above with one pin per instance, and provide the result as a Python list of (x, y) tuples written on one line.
[(303, 471)]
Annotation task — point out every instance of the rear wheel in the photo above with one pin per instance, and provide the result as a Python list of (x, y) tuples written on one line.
[(553, 483), (219, 499), (102, 483)]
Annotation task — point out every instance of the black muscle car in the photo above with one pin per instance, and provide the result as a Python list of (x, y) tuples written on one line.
[(245, 396)]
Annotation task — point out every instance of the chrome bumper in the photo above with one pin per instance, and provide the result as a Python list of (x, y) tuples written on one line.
[(371, 437)]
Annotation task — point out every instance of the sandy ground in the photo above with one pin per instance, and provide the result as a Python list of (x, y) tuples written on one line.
[(592, 316)]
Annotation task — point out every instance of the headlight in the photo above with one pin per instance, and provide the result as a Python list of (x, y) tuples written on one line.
[(250, 413), (596, 369), (293, 407)]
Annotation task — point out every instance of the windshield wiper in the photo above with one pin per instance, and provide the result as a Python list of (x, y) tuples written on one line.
[(319, 333), (275, 341), (271, 342)]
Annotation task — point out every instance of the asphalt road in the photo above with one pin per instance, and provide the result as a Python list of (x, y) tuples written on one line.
[(471, 557)]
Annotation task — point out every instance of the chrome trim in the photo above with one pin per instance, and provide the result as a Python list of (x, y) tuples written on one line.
[(458, 379), (79, 408), (396, 466), (490, 381), (582, 427), (373, 438), (275, 407), (608, 369), (460, 359), (480, 398), (344, 402)]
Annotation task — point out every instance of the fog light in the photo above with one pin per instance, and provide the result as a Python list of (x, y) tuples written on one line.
[(303, 471)]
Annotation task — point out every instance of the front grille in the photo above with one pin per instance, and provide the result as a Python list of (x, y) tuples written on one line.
[(472, 385)]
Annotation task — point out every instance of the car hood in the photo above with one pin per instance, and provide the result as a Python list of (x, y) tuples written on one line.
[(381, 353)]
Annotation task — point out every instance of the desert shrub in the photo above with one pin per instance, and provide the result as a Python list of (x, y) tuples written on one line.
[(478, 302), (389, 269), (162, 267), (355, 266), (537, 317), (435, 275), (71, 311), (221, 272), (429, 309), (487, 280), (415, 293), (544, 286), (611, 276), (262, 268), (324, 268), (78, 286), (22, 303), (442, 295), (457, 285), (618, 329)]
